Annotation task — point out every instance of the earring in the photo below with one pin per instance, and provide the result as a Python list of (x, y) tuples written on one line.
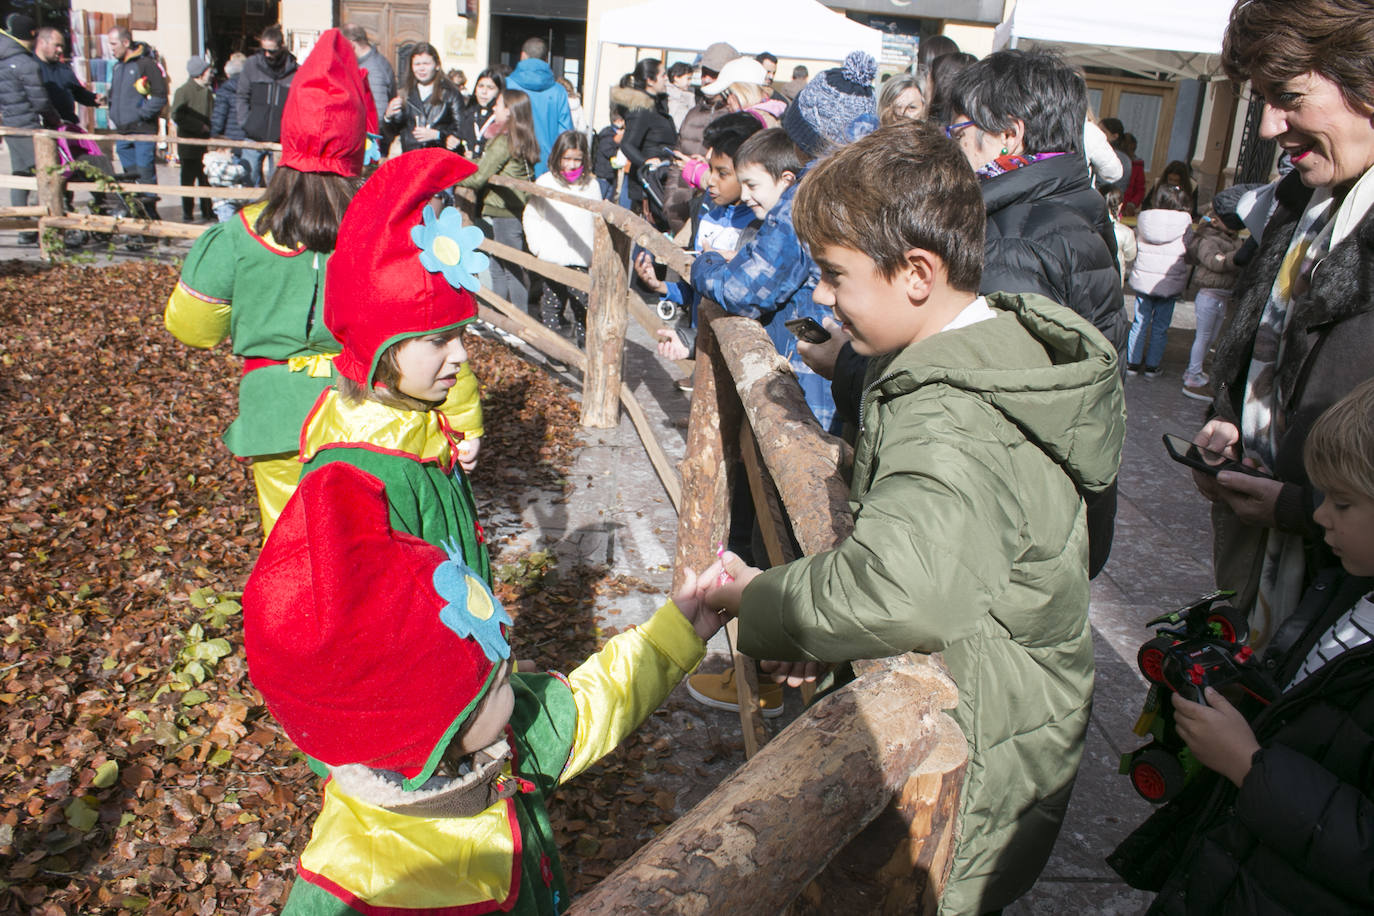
[(1004, 151)]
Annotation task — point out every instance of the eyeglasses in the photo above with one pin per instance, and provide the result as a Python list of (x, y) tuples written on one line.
[(953, 129)]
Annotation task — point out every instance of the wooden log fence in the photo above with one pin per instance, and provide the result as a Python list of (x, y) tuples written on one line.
[(857, 800)]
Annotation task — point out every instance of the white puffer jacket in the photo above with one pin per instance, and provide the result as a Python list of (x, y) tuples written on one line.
[(1161, 265), (557, 232)]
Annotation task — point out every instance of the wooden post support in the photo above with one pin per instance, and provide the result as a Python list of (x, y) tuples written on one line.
[(46, 169), (606, 325), (806, 464), (751, 845), (712, 449)]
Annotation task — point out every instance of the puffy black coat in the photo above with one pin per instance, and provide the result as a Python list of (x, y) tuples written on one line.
[(224, 121), (1298, 835), (130, 109), (262, 96), (23, 100), (64, 89), (1048, 233), (442, 111)]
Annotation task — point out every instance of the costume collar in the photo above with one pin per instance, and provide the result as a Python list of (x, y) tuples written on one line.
[(487, 780), (423, 436), (249, 215)]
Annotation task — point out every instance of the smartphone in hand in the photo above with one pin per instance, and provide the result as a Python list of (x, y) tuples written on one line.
[(1203, 459), (807, 329)]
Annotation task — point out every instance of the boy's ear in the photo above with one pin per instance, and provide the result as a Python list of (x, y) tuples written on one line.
[(788, 178), (922, 271)]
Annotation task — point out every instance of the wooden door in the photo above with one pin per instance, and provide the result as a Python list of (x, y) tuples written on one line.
[(1146, 107), (393, 26)]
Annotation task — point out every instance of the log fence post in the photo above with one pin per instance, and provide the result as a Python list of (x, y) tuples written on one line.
[(48, 173), (607, 320)]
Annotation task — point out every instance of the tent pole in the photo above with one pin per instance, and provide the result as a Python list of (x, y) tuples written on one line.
[(596, 82)]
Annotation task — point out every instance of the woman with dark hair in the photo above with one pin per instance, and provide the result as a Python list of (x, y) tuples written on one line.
[(1018, 117), (1303, 326), (512, 151), (943, 72), (428, 110), (649, 140), (259, 278), (475, 122)]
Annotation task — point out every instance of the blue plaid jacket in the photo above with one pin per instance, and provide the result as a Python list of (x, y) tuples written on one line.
[(770, 279)]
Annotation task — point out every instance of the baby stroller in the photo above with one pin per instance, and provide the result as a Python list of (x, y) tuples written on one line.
[(83, 160)]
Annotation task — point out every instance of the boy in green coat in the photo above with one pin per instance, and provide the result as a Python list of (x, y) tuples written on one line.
[(984, 421)]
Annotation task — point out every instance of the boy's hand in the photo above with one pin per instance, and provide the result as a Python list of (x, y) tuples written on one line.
[(467, 454), (644, 269), (690, 600), (669, 346), (821, 357), (726, 253), (727, 595), (794, 674), (1217, 734)]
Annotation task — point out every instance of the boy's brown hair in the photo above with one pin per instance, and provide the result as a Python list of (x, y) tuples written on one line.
[(771, 150), (901, 187), (1339, 451)]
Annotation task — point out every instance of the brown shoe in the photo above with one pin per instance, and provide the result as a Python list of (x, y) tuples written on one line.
[(718, 692)]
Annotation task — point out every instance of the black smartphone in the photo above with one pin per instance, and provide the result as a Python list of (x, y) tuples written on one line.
[(1203, 459), (807, 329)]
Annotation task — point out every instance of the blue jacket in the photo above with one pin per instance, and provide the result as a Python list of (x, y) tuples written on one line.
[(770, 279), (549, 102), (224, 121)]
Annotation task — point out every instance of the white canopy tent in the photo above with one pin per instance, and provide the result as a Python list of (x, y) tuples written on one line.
[(791, 28), (1162, 38), (804, 29)]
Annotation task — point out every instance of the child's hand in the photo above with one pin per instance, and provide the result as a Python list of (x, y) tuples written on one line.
[(644, 269), (794, 674), (669, 346), (821, 357), (726, 253), (1218, 735), (727, 595), (393, 108), (690, 600), (467, 454)]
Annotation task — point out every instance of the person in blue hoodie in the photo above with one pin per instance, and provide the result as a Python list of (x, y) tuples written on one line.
[(548, 99)]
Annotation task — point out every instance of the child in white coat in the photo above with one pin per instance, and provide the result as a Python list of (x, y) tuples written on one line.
[(562, 233), (1160, 274)]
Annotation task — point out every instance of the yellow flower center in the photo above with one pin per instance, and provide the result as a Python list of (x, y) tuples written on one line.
[(447, 250), (479, 604)]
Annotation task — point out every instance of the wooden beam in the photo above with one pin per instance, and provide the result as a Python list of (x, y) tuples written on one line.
[(123, 225), (138, 138), (663, 466), (752, 844), (556, 272)]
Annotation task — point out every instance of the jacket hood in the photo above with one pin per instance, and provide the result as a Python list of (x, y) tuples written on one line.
[(1074, 409), (1160, 227), (11, 46), (531, 74), (631, 98)]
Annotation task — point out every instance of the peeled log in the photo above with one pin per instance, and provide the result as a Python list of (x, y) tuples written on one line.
[(807, 464), (751, 845)]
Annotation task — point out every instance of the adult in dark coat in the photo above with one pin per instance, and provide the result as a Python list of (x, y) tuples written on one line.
[(649, 135), (476, 115), (224, 120), (263, 87), (427, 112), (138, 93), (23, 100), (64, 89), (1303, 328)]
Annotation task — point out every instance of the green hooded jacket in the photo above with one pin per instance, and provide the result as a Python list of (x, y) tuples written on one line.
[(970, 540)]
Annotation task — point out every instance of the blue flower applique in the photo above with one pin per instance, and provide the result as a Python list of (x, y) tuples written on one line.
[(372, 150), (450, 248), (472, 610)]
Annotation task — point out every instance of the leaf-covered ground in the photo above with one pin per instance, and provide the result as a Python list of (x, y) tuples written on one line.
[(139, 770)]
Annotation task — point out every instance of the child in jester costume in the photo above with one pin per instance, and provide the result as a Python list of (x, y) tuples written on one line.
[(405, 407), (260, 277), (385, 659)]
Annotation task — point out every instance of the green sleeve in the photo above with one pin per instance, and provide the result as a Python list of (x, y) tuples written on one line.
[(934, 541), (493, 159)]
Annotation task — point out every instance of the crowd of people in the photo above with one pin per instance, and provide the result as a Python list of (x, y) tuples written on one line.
[(941, 259)]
